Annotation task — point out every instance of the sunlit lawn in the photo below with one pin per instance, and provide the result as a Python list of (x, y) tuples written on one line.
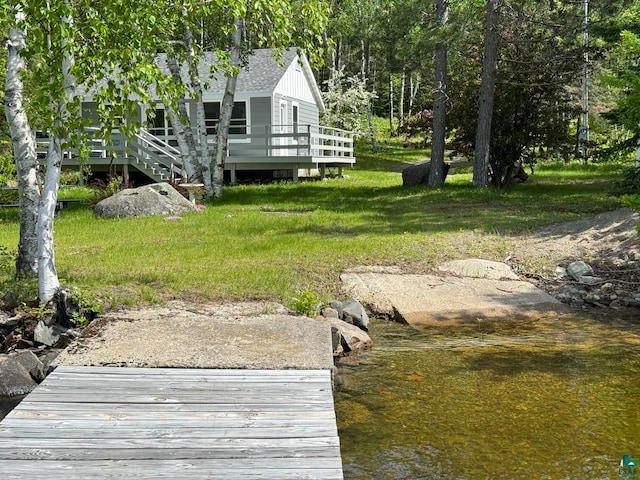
[(268, 241)]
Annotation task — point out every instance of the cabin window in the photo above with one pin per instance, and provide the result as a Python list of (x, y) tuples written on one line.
[(160, 125), (294, 114), (238, 118)]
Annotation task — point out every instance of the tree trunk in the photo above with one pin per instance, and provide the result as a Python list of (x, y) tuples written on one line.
[(414, 86), (365, 64), (24, 151), (487, 90), (48, 282), (204, 168), (403, 82), (391, 107), (226, 110), (436, 172), (182, 130)]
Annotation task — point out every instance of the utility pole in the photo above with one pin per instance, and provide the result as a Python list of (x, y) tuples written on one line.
[(583, 133)]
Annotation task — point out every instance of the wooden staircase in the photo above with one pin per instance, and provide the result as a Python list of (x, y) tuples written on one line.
[(154, 157)]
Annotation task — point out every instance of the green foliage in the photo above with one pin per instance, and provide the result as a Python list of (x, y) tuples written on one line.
[(109, 188), (419, 124), (631, 201), (306, 302), (630, 183), (533, 107), (7, 259), (88, 306), (7, 165)]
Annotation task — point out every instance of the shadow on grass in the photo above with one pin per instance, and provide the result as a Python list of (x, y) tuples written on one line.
[(365, 209)]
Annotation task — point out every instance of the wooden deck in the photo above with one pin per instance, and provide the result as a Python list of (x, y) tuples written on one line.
[(110, 422)]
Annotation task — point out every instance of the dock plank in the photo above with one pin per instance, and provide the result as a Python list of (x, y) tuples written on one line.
[(113, 422)]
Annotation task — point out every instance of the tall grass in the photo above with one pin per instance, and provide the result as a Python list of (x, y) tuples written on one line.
[(269, 241)]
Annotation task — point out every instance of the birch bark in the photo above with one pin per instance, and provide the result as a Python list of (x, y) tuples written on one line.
[(226, 109), (24, 151), (48, 282), (182, 130)]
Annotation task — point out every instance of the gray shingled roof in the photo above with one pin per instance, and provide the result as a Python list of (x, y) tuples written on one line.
[(261, 73)]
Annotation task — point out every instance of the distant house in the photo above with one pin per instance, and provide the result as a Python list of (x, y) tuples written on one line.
[(275, 130)]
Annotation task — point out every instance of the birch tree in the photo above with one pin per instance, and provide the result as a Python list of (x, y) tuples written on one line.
[(24, 149), (226, 108), (52, 51)]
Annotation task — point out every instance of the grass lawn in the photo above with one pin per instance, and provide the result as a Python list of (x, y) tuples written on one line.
[(270, 241)]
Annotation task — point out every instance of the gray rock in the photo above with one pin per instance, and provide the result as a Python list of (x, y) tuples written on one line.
[(337, 306), (419, 174), (479, 268), (14, 378), (155, 199), (348, 338), (31, 363), (589, 280), (579, 269), (356, 311), (47, 334), (7, 321), (330, 313), (561, 273)]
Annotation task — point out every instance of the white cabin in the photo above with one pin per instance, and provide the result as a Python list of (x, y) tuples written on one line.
[(275, 130)]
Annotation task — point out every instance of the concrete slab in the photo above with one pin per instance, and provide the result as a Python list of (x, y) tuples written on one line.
[(222, 337), (430, 299)]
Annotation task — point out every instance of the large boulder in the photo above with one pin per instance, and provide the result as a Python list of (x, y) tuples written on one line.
[(419, 174), (154, 199)]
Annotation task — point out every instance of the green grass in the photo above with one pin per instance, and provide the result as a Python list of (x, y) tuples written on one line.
[(272, 241)]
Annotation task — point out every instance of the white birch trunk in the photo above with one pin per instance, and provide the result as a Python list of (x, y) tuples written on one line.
[(182, 131), (413, 92), (403, 82), (391, 107), (226, 109), (204, 164), (24, 151), (48, 282)]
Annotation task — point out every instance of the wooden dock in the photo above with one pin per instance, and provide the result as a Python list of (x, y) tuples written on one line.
[(111, 422)]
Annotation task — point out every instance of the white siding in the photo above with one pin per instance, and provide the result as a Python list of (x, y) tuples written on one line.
[(294, 84)]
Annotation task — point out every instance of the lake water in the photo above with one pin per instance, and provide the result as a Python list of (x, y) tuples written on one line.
[(516, 400)]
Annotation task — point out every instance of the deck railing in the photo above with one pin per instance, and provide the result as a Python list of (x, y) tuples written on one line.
[(316, 144)]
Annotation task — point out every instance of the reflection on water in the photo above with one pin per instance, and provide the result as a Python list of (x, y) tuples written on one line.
[(541, 399)]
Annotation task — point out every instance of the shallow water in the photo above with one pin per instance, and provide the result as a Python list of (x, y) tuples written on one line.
[(540, 399)]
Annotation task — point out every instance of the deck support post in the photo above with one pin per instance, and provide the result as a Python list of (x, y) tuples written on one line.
[(323, 171)]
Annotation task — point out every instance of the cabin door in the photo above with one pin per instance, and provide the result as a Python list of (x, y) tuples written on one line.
[(283, 129)]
